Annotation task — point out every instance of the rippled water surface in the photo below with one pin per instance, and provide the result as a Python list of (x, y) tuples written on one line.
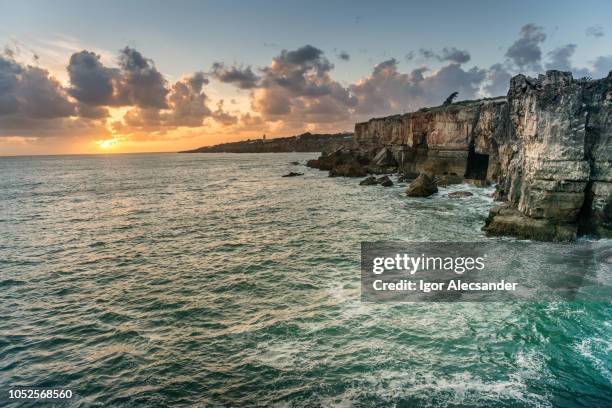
[(171, 280)]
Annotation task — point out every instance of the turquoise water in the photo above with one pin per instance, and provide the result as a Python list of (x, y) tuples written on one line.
[(209, 280)]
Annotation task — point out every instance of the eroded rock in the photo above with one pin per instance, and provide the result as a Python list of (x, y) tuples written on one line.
[(384, 181), (422, 186), (368, 181), (460, 194)]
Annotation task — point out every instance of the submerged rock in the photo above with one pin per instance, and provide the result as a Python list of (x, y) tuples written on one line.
[(405, 177), (460, 194), (384, 181), (422, 186), (368, 181), (295, 163), (292, 174)]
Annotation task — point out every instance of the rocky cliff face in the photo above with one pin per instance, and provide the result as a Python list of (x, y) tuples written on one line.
[(547, 145), (556, 157)]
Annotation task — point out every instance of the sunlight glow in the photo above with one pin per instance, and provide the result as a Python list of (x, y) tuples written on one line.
[(108, 143)]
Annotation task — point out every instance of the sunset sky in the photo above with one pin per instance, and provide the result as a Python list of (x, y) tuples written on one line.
[(142, 76)]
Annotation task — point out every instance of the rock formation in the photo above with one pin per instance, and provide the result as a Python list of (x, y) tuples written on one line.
[(547, 145), (422, 186), (384, 181)]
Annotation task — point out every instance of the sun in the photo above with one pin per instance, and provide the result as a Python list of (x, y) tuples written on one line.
[(107, 143)]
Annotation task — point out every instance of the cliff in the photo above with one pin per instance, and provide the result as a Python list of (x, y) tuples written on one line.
[(306, 142), (547, 145)]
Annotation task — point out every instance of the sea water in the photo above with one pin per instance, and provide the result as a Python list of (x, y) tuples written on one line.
[(208, 279)]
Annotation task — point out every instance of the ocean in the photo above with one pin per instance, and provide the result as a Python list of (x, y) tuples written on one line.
[(210, 280)]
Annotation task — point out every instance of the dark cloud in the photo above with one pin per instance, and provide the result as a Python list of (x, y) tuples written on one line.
[(498, 80), (92, 112), (560, 58), (34, 104), (595, 31), (453, 54), (297, 87), (9, 52), (91, 82), (9, 82), (143, 85), (136, 82), (187, 102), (186, 106), (448, 54), (344, 56), (387, 90), (31, 92), (426, 53), (244, 78), (525, 52), (602, 66)]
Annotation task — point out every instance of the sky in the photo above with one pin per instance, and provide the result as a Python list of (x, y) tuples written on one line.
[(144, 76)]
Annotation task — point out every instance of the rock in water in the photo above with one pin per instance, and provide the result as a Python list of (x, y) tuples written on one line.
[(293, 174), (348, 170), (506, 220), (295, 163), (460, 194), (368, 181), (384, 181), (422, 186)]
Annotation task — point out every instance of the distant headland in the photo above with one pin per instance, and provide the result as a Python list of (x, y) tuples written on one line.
[(306, 142)]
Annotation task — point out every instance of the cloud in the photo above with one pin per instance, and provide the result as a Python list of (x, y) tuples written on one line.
[(142, 84), (186, 106), (448, 54), (602, 66), (40, 96), (187, 102), (136, 82), (525, 52), (244, 78), (498, 80), (34, 104), (426, 53), (560, 58), (344, 56), (453, 54), (91, 82), (595, 31), (387, 90), (222, 117), (297, 87)]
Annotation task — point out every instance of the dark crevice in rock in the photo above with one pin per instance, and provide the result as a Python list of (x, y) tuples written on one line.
[(477, 164)]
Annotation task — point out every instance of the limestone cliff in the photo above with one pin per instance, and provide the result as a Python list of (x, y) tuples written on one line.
[(547, 145)]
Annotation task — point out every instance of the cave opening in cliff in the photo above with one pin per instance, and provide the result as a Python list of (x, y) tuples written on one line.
[(477, 164)]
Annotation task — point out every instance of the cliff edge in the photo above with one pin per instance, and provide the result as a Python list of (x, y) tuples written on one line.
[(547, 145)]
